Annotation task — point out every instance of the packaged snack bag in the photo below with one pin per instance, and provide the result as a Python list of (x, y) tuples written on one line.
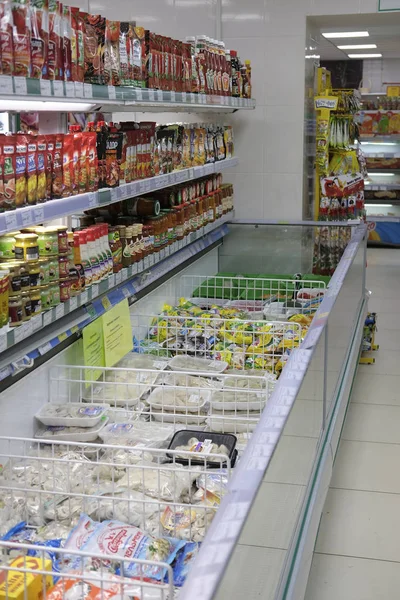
[(111, 59), (39, 38), (74, 44), (41, 168), (21, 38), (113, 157), (50, 143), (67, 43), (68, 165), (83, 168), (8, 143), (76, 589), (184, 562), (54, 55), (21, 151), (6, 38), (16, 584), (137, 58), (76, 162), (124, 53), (31, 170), (57, 168), (94, 41), (92, 162)]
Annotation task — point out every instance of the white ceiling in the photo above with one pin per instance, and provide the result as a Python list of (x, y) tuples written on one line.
[(384, 31)]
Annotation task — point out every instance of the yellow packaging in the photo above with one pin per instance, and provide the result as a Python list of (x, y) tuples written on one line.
[(14, 583)]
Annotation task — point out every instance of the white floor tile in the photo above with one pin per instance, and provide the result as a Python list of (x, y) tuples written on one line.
[(388, 339), (371, 388), (292, 461), (253, 573), (372, 423), (386, 363), (389, 320), (345, 578), (367, 466), (273, 516), (305, 420), (362, 524), (382, 305)]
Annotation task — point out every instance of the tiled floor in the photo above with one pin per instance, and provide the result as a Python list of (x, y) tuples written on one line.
[(357, 554)]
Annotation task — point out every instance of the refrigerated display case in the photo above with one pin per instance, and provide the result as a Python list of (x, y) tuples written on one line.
[(287, 422)]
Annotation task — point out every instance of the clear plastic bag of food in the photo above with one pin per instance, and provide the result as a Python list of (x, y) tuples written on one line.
[(178, 399)]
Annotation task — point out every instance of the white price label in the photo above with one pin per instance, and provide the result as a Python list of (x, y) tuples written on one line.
[(44, 349), (126, 292), (38, 214), (142, 186), (139, 95), (192, 98), (58, 88), (167, 250), (95, 290), (22, 332), (26, 216), (112, 95), (162, 253), (151, 95), (47, 318), (3, 343), (118, 278), (191, 173), (87, 90), (60, 311), (172, 96), (159, 95), (84, 297), (45, 89), (70, 89), (115, 195), (78, 89), (11, 220), (36, 323), (20, 86), (183, 96), (134, 269), (92, 199), (73, 304), (6, 85), (124, 274)]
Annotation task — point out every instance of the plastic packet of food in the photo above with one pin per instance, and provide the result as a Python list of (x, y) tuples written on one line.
[(183, 562)]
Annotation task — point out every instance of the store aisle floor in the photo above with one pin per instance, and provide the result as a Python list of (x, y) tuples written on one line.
[(357, 553)]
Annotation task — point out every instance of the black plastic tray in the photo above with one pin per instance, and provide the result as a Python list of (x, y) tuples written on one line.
[(181, 438)]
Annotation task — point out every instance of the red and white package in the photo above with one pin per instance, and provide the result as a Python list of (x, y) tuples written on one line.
[(21, 38), (6, 39), (39, 10)]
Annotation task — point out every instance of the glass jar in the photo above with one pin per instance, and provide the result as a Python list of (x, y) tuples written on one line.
[(36, 301), (54, 270), (180, 221), (47, 241), (65, 290), (14, 281), (26, 247), (116, 248), (44, 267), (15, 312), (4, 283), (34, 274), (62, 240), (63, 267), (75, 279), (7, 245), (45, 296), (54, 294), (26, 306)]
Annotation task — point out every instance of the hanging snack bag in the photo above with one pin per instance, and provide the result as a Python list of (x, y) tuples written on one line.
[(83, 167), (8, 143), (41, 168), (78, 25), (113, 158), (137, 59), (39, 38), (6, 38), (76, 162), (57, 168), (68, 165), (92, 162), (31, 171), (21, 151), (50, 144), (111, 59), (67, 43), (21, 38), (94, 40), (54, 55), (74, 44), (124, 53)]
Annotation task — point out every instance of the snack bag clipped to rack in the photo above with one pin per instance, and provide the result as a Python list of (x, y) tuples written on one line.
[(18, 585)]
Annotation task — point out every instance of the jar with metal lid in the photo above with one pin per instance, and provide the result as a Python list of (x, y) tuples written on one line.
[(7, 245), (65, 290), (62, 240), (47, 241), (54, 294), (44, 267), (54, 269), (36, 301), (26, 247), (25, 279), (15, 312), (45, 296), (4, 277), (14, 280), (63, 266), (75, 279), (26, 306), (34, 274)]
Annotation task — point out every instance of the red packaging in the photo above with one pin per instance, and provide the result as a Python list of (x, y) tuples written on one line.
[(57, 186), (39, 38), (8, 143), (6, 38), (50, 145), (21, 38), (92, 162), (74, 44), (31, 169), (41, 168), (21, 152), (76, 162), (55, 58), (83, 168), (111, 58), (68, 165), (67, 35), (80, 41), (95, 30), (113, 159)]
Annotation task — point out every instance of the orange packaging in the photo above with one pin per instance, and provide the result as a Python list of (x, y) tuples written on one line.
[(39, 10), (21, 152), (76, 162), (57, 168), (31, 170), (6, 39), (55, 57), (83, 168), (21, 38), (79, 25), (86, 590), (92, 162), (68, 174), (41, 168), (50, 141), (8, 143)]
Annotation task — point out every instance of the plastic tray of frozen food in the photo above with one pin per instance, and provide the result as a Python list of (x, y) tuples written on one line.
[(203, 443), (178, 399), (152, 435), (180, 420), (183, 380), (251, 379), (230, 421), (280, 311), (119, 394), (71, 434), (135, 360), (71, 414), (238, 400), (202, 365)]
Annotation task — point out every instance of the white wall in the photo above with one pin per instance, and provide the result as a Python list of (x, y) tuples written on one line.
[(378, 73)]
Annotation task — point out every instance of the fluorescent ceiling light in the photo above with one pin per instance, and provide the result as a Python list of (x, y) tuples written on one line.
[(316, 56), (381, 174), (378, 144), (364, 55), (36, 105), (345, 34), (379, 205), (357, 46)]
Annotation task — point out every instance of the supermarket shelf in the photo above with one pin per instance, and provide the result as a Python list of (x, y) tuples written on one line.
[(55, 209), (381, 138), (123, 98), (66, 319), (384, 170), (386, 155), (382, 219), (382, 188)]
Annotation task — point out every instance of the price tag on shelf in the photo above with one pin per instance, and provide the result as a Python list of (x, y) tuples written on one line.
[(11, 220), (38, 214), (44, 349), (112, 95), (73, 303), (126, 292), (84, 297), (47, 318), (26, 217), (95, 290), (118, 278), (20, 86), (115, 195), (159, 95), (173, 96), (92, 199), (87, 90), (45, 88), (142, 186), (78, 89), (58, 88), (6, 85), (191, 173), (22, 332), (3, 343), (183, 96), (70, 89), (106, 303), (124, 274), (36, 323), (192, 98), (60, 311), (139, 95), (62, 336), (151, 95)]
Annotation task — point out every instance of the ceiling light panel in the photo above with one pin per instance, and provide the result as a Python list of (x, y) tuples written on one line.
[(358, 47), (364, 55), (345, 34)]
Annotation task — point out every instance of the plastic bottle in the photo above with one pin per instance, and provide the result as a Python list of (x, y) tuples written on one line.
[(228, 78), (93, 258), (106, 247), (235, 74), (81, 249), (191, 40), (247, 88)]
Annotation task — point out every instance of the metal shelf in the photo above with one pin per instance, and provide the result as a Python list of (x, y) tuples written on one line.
[(395, 137), (55, 209), (382, 187), (121, 98)]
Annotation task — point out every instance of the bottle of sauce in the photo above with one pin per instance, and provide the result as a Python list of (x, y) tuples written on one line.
[(82, 254), (93, 258), (126, 253), (116, 248), (247, 88)]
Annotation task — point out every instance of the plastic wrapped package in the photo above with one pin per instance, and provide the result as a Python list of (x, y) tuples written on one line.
[(190, 381), (129, 507), (230, 421), (240, 400), (134, 360), (151, 435), (185, 400), (71, 414), (250, 379), (120, 393), (212, 487), (71, 434), (186, 523), (202, 365)]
